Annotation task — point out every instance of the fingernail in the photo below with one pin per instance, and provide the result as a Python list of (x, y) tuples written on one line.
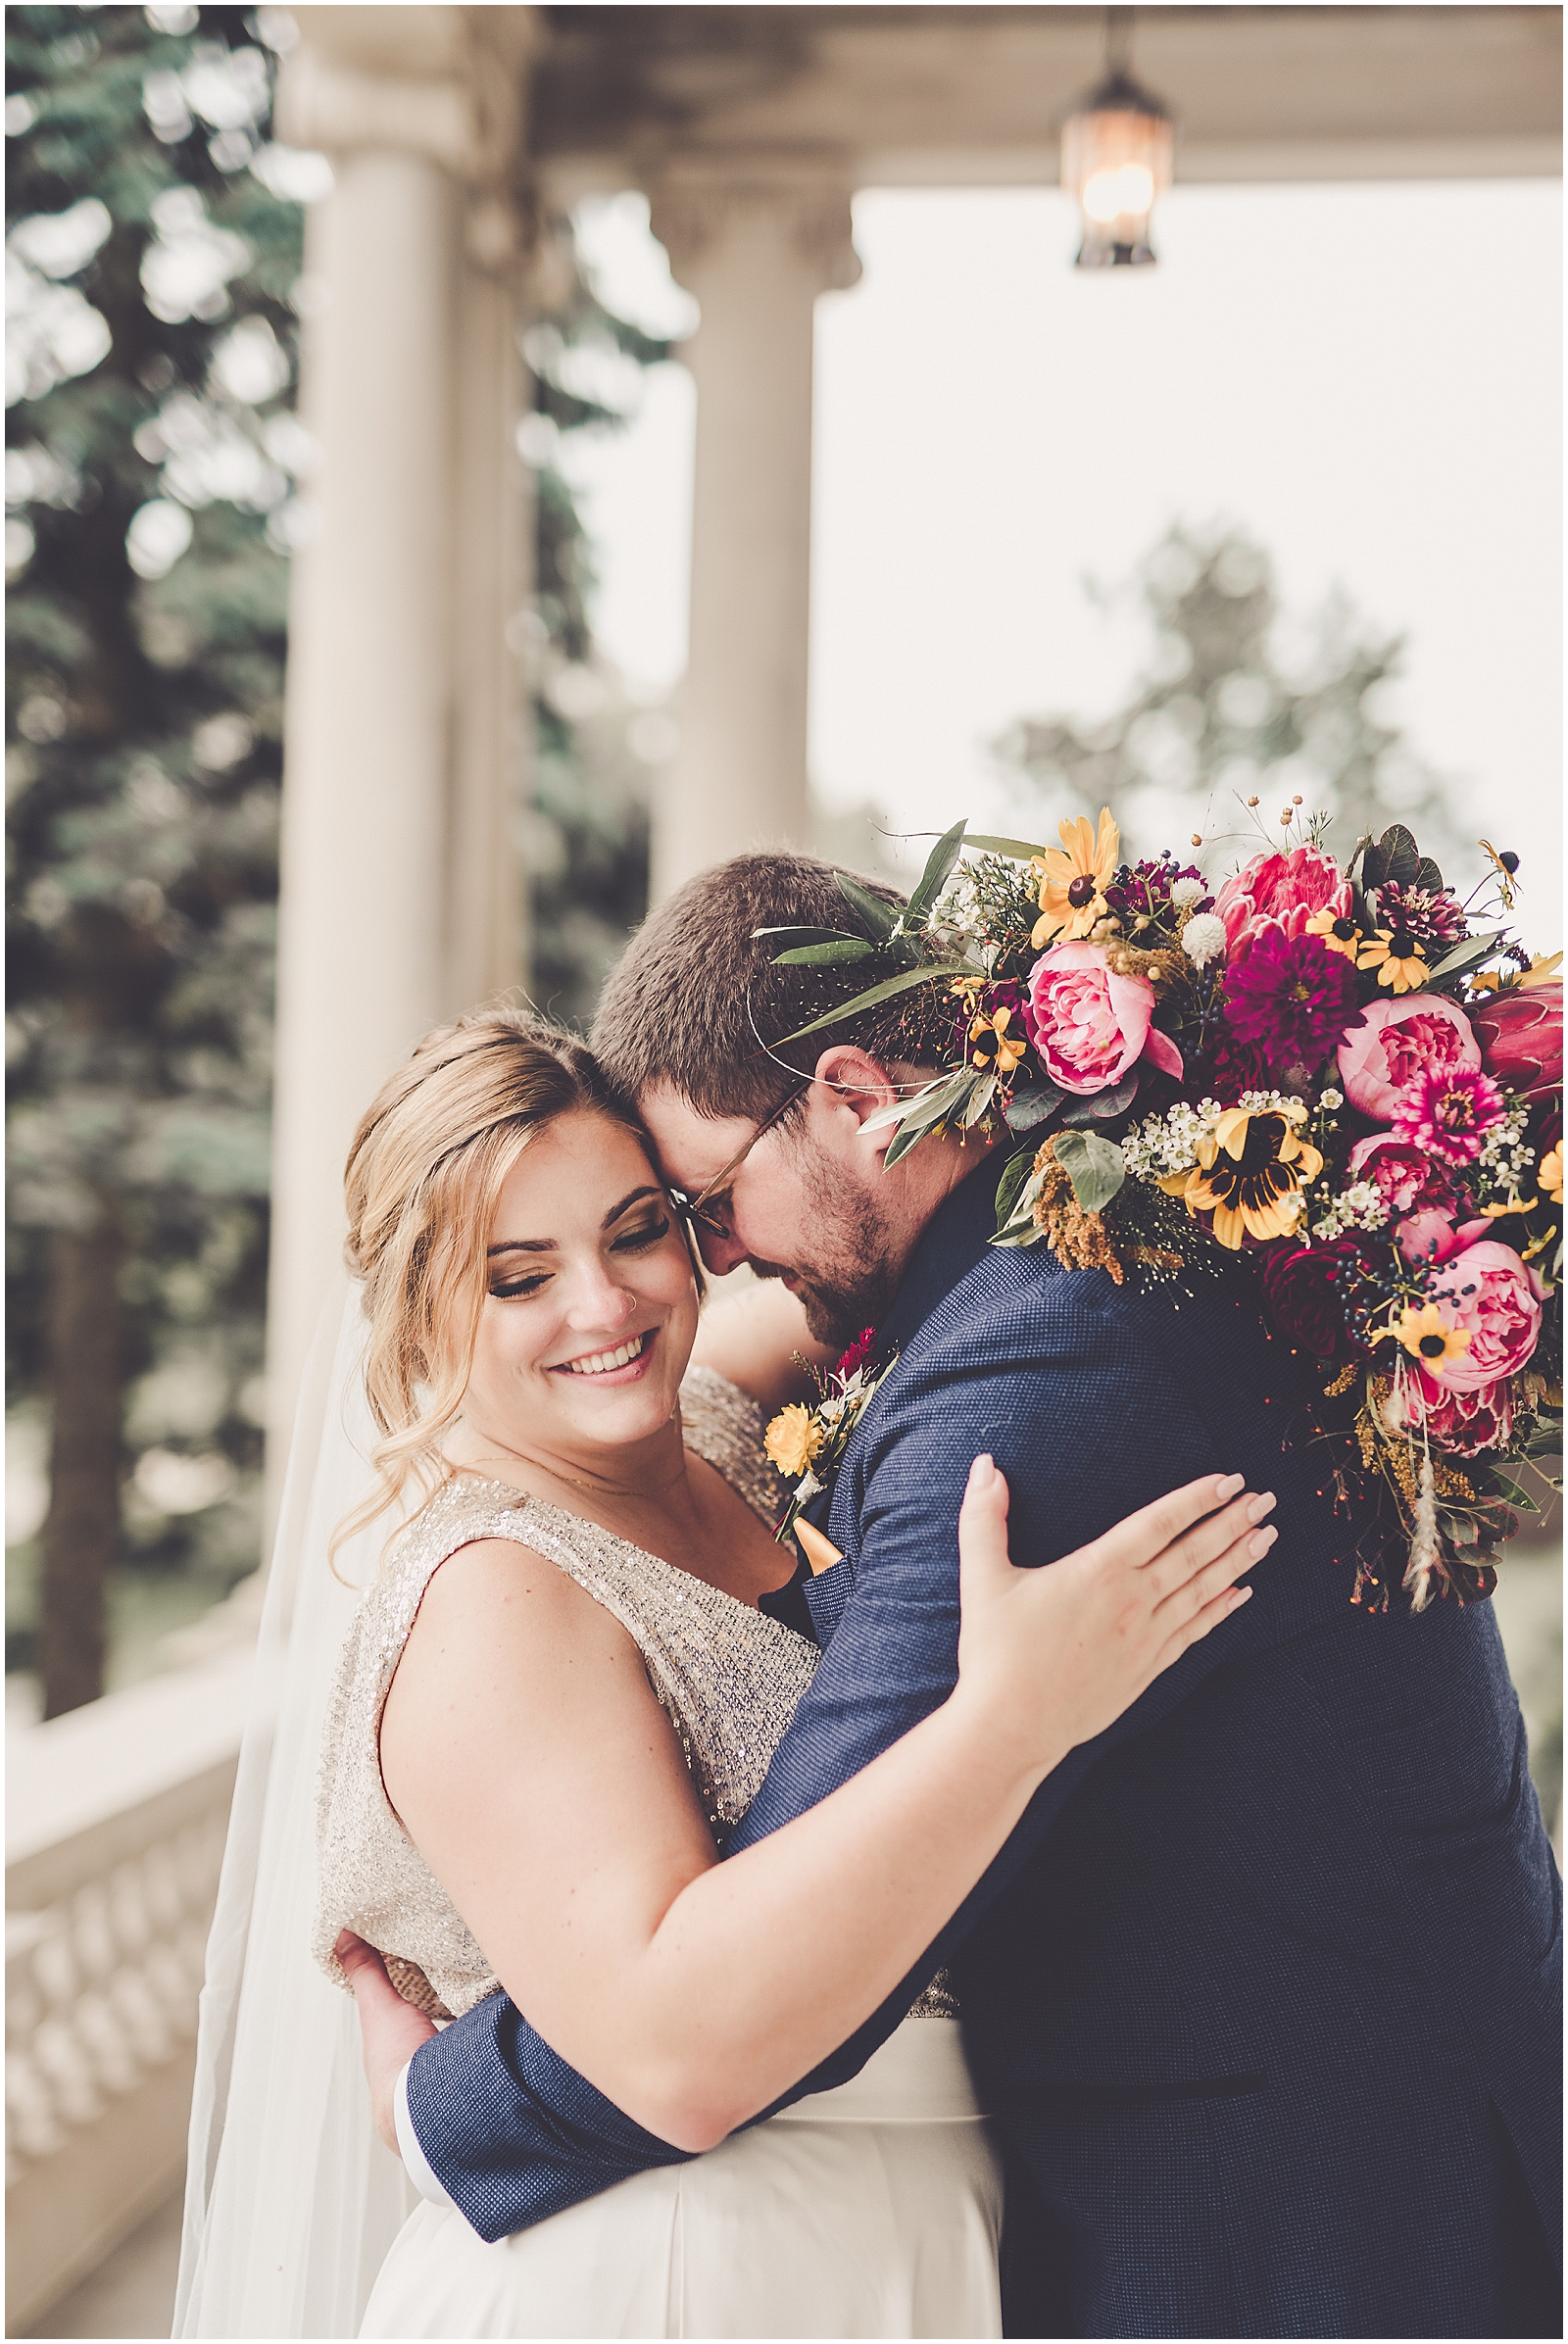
[(1227, 1486), (1239, 1595), (981, 1474), (1259, 1544), (1260, 1506)]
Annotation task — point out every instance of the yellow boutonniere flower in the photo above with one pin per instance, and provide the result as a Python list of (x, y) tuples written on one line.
[(1397, 958), (1428, 1337), (1074, 877), (793, 1439)]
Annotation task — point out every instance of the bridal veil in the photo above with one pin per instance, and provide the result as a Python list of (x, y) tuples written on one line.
[(291, 2201)]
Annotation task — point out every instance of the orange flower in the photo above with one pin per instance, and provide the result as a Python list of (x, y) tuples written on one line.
[(992, 1047), (1339, 934), (793, 1439), (1549, 1177), (1251, 1169), (1428, 1337), (1397, 960), (1074, 877)]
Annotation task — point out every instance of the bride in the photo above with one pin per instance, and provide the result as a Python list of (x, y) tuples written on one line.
[(555, 1696)]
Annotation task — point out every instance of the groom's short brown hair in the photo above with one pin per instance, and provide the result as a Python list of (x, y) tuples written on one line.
[(697, 1002)]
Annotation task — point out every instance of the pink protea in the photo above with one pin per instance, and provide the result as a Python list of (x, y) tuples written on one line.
[(1448, 1111), (1281, 891), (1465, 1423)]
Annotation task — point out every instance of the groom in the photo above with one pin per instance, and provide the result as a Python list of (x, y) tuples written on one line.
[(1263, 1989)]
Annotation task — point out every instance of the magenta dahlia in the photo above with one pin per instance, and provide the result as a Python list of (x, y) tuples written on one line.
[(1448, 1111), (1291, 998)]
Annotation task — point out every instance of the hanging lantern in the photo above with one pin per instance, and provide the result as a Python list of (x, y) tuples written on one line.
[(1116, 151)]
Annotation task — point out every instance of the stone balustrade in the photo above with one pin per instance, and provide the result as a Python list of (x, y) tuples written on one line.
[(116, 1818)]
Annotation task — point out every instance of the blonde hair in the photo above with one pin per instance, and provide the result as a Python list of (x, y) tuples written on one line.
[(422, 1184)]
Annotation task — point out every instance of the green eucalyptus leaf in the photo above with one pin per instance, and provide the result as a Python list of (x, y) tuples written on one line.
[(828, 955), (811, 935), (1102, 1107), (1033, 1105), (1094, 1166), (1018, 849), (984, 1092), (1469, 955), (1009, 1187), (881, 918), (944, 854), (932, 973), (1514, 1493)]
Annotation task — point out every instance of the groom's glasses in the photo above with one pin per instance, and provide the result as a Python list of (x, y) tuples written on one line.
[(710, 1210)]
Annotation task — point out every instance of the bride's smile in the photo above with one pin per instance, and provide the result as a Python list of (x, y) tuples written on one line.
[(590, 1312)]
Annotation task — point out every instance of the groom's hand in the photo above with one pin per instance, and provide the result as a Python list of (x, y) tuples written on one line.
[(391, 2029)]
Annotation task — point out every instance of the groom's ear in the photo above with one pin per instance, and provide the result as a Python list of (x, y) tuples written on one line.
[(854, 1084)]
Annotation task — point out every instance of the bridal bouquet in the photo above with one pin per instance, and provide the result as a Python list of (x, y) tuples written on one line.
[(1344, 1074)]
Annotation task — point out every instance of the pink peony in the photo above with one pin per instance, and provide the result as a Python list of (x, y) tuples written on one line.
[(1281, 891), (1488, 1289), (1089, 1024), (1411, 1182), (1433, 1237), (1398, 1039)]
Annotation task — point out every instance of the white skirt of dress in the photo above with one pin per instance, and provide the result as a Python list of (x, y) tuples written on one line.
[(871, 2210)]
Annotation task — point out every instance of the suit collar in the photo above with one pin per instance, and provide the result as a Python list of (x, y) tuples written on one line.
[(956, 1238)]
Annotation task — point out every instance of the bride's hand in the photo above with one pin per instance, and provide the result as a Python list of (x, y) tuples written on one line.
[(1056, 1655), (391, 2029)]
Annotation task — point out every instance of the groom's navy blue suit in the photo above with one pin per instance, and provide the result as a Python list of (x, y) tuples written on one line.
[(1265, 1987)]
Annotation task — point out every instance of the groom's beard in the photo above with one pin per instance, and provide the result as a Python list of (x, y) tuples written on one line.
[(850, 1283)]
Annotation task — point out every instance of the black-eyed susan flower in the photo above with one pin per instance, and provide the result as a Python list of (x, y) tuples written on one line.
[(1250, 1173), (994, 1044), (1428, 1337), (1398, 958), (1073, 879), (1339, 934)]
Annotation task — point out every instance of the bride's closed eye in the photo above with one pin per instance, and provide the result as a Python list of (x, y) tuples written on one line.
[(641, 1240)]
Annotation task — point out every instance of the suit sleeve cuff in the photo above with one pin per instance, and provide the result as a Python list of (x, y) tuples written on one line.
[(414, 2162)]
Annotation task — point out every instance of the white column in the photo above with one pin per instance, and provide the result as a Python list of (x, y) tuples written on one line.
[(400, 895), (756, 256)]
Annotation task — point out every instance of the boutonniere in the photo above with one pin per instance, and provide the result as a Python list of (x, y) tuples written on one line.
[(806, 1445)]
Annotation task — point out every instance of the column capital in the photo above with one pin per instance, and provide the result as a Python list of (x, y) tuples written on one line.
[(695, 211)]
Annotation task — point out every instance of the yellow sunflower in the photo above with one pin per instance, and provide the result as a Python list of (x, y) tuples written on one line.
[(1340, 935), (1428, 1337), (992, 1047), (1074, 877), (793, 1439), (1251, 1169), (1397, 960)]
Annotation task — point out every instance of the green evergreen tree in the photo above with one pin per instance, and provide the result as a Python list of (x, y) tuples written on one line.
[(1221, 717), (148, 496)]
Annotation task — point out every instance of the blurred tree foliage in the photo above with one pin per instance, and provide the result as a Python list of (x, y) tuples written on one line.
[(147, 451), (153, 248), (1225, 711)]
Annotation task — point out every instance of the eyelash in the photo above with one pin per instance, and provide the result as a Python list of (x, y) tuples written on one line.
[(637, 1240)]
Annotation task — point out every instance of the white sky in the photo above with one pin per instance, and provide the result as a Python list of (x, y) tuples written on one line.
[(1366, 378)]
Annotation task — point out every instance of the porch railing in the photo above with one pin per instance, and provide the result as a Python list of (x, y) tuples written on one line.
[(116, 1815)]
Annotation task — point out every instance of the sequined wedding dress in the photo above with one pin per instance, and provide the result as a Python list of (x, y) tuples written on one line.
[(871, 2210)]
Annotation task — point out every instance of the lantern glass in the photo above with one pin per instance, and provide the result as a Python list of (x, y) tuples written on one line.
[(1116, 155)]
